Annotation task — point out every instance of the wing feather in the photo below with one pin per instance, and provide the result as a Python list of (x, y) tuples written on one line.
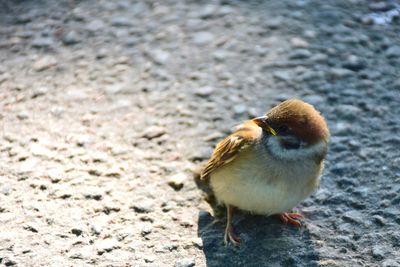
[(230, 147)]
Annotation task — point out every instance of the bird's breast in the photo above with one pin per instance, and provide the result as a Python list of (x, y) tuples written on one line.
[(260, 183)]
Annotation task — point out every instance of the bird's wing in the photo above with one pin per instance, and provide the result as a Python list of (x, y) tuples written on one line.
[(230, 147)]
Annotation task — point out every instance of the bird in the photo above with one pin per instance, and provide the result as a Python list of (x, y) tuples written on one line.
[(269, 164)]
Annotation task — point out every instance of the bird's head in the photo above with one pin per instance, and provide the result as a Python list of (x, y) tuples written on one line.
[(295, 123)]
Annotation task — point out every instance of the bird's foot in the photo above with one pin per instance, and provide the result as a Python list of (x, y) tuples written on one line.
[(290, 218), (229, 233), (230, 236)]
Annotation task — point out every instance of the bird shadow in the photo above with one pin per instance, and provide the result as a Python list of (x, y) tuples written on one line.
[(264, 242)]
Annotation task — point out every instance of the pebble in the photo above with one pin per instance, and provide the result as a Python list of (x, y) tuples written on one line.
[(44, 63), (39, 91), (154, 132), (41, 151), (282, 75), (353, 216), (23, 115), (274, 23), (339, 73), (393, 52), (146, 229), (43, 43), (354, 63), (300, 54), (158, 56), (378, 253), (76, 231), (201, 153), (71, 38), (106, 245), (121, 22), (297, 42), (143, 206), (315, 100), (203, 38), (390, 263), (220, 55), (95, 25), (239, 109), (186, 262), (177, 181), (379, 6), (150, 258), (207, 11), (204, 91)]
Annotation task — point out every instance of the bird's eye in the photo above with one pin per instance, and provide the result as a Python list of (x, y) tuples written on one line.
[(283, 129)]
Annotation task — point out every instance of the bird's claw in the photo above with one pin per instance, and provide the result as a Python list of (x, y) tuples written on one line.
[(290, 218), (230, 236)]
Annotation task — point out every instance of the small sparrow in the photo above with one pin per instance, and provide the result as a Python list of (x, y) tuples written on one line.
[(270, 163)]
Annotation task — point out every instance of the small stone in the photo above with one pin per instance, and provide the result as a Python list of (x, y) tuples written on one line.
[(204, 91), (203, 38), (159, 56), (146, 229), (132, 41), (201, 153), (283, 75), (297, 42), (354, 63), (39, 91), (6, 189), (97, 227), (187, 262), (300, 54), (274, 23), (150, 258), (107, 245), (43, 43), (143, 206), (95, 25), (315, 100), (220, 55), (390, 263), (379, 6), (44, 63), (207, 11), (71, 38), (353, 217), (31, 228), (226, 10), (154, 132), (23, 115), (379, 220), (378, 253), (197, 242), (41, 151), (76, 231), (177, 181), (338, 73), (393, 52), (121, 22), (239, 109), (8, 262)]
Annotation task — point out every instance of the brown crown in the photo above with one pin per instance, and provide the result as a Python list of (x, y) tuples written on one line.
[(303, 119)]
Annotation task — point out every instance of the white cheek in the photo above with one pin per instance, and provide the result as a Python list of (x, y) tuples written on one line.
[(276, 149)]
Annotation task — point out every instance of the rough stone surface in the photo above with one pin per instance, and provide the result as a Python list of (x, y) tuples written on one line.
[(102, 102)]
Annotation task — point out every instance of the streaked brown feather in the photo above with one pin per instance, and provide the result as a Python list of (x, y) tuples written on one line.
[(230, 147)]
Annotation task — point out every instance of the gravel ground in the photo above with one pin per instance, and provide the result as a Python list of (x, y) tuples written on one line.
[(108, 108)]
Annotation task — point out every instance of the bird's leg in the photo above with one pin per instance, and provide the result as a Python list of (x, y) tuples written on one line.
[(229, 233), (290, 218)]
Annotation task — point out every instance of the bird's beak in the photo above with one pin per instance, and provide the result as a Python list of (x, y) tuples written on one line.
[(263, 123)]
